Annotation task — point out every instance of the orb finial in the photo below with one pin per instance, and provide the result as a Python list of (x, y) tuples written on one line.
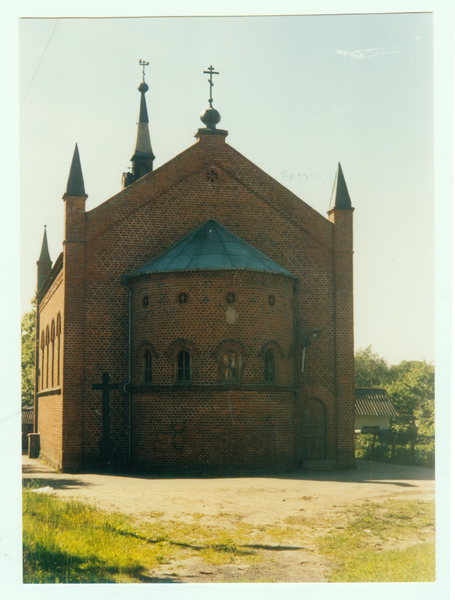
[(210, 117), (143, 87)]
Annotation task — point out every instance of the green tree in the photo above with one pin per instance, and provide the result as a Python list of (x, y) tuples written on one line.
[(370, 369), (28, 355), (412, 392)]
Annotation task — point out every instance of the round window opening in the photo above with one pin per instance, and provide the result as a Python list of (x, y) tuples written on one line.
[(272, 300), (145, 301), (212, 176), (230, 297), (183, 298)]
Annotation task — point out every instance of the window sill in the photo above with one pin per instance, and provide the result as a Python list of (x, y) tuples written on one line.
[(50, 392)]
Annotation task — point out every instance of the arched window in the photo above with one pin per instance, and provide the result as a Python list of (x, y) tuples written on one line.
[(230, 366), (59, 330), (52, 357), (147, 366), (42, 359), (47, 356), (269, 367), (183, 366)]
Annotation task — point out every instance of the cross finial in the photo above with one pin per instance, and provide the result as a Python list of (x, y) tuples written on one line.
[(211, 71), (143, 65)]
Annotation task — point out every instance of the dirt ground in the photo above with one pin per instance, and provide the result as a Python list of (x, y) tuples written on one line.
[(255, 500)]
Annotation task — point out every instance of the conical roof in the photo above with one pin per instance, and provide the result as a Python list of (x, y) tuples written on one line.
[(340, 195), (75, 185), (211, 247), (44, 254), (143, 144)]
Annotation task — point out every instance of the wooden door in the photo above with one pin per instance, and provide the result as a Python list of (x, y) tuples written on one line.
[(313, 430)]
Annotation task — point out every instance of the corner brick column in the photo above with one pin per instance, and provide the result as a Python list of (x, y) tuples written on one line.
[(344, 336), (73, 330)]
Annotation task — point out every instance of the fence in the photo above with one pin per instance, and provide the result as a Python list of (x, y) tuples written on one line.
[(27, 424), (406, 448)]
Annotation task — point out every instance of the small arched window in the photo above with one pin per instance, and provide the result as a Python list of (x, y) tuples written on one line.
[(230, 366), (59, 330), (269, 367), (147, 367), (53, 351), (47, 356), (42, 358), (183, 366)]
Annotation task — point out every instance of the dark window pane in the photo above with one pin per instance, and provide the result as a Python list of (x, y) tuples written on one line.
[(269, 366), (183, 366)]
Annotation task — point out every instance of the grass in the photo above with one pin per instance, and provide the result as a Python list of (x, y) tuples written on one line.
[(388, 542), (68, 541)]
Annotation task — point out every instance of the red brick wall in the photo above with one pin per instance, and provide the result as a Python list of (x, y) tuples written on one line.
[(344, 336), (249, 430), (207, 320), (74, 341), (49, 399)]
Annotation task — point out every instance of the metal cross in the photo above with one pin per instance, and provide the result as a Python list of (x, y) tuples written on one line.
[(106, 387), (143, 65), (211, 72)]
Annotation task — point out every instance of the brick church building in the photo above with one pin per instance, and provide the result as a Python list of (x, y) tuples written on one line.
[(201, 320)]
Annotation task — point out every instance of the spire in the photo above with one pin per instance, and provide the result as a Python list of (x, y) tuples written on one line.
[(143, 156), (44, 262), (75, 185), (340, 195), (44, 255)]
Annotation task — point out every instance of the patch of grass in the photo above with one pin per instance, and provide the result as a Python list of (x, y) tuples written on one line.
[(366, 549), (32, 484), (72, 542), (412, 564)]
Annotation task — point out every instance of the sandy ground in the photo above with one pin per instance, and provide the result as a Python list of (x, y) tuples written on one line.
[(256, 500)]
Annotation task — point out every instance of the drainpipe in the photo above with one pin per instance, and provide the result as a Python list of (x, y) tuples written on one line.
[(128, 383)]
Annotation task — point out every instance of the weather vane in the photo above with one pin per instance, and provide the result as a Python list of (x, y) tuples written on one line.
[(211, 72), (143, 65)]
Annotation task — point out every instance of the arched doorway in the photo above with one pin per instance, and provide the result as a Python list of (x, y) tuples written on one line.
[(313, 430)]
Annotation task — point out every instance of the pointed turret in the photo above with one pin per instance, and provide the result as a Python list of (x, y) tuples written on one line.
[(143, 157), (75, 185), (44, 262), (340, 195), (341, 216)]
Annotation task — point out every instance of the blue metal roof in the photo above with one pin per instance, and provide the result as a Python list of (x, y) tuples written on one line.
[(211, 246)]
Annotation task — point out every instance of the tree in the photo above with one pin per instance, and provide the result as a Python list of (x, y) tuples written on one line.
[(28, 355), (370, 369), (412, 392)]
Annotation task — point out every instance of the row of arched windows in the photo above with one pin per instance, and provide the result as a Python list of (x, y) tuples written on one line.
[(50, 354), (230, 366)]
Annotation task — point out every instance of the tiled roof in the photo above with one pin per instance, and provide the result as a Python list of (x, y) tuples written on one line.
[(373, 402), (211, 246)]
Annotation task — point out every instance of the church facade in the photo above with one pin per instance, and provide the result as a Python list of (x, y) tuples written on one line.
[(201, 320)]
